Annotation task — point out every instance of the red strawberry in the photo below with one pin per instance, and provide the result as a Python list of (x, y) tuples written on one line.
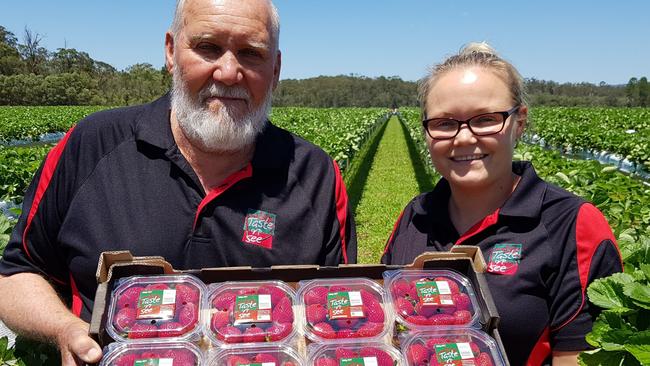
[(346, 323), (283, 311), (150, 354), (247, 291), (140, 330), (433, 361), (219, 320), (401, 288), (125, 318), (453, 286), (254, 334), (324, 330), (345, 353), (265, 358), (475, 349), (156, 286), (417, 354), (277, 294), (461, 301), (339, 288), (181, 357), (442, 319), (345, 333), (237, 360), (317, 295), (404, 307), (170, 329), (383, 358), (288, 363), (462, 317), (370, 329), (426, 310), (325, 361), (484, 359), (374, 313), (368, 297), (418, 320), (315, 313), (188, 316), (186, 293), (126, 360), (278, 331), (229, 334), (224, 301), (129, 297)]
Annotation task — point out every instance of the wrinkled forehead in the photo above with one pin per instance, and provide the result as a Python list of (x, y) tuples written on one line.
[(256, 10)]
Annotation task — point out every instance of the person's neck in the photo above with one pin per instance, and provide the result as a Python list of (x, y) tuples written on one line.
[(467, 206), (212, 168)]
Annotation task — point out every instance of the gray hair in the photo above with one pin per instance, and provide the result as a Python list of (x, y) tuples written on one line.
[(475, 54), (177, 23)]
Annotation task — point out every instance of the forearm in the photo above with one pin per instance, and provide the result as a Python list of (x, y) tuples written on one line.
[(31, 307), (565, 358)]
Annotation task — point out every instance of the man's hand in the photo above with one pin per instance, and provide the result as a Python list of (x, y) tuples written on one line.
[(75, 344)]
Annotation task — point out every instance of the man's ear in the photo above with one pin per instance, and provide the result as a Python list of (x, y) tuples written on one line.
[(276, 69), (169, 52)]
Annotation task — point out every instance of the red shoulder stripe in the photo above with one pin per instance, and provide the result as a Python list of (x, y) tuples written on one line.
[(51, 162), (341, 197), (541, 350), (77, 304), (591, 230), (390, 239)]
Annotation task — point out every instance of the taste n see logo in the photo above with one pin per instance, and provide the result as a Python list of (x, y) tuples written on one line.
[(259, 228)]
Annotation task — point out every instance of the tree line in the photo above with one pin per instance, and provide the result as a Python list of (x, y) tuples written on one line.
[(32, 75)]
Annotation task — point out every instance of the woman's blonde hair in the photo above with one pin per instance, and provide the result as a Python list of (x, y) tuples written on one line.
[(474, 54)]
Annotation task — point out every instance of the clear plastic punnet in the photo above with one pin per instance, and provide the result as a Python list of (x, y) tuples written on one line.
[(250, 312), (159, 308), (357, 354), (343, 309), (427, 299), (278, 355), (152, 353), (460, 347)]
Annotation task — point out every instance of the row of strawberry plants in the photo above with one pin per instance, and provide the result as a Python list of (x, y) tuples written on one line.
[(340, 132), (622, 131)]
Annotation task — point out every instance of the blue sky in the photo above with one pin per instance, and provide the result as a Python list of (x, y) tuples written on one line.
[(564, 41)]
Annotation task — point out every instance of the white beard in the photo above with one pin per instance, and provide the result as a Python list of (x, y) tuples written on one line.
[(226, 130)]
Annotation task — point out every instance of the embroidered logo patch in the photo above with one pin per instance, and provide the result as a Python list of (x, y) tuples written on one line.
[(504, 259), (259, 228)]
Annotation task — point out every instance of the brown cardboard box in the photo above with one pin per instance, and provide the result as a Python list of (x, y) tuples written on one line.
[(467, 260)]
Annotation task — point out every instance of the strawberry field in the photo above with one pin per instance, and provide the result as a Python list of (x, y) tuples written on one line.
[(352, 136)]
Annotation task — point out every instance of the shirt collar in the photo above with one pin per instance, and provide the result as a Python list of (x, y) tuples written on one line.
[(153, 125), (525, 201)]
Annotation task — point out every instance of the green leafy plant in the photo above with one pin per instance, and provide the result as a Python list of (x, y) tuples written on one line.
[(621, 333)]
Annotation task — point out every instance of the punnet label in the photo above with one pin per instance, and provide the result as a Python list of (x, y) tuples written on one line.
[(434, 293), (345, 305), (154, 362), (156, 304), (359, 361), (252, 309), (457, 354)]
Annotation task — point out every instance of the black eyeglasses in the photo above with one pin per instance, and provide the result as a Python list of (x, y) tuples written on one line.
[(481, 125)]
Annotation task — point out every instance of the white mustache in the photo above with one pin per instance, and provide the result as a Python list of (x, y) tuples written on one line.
[(217, 90)]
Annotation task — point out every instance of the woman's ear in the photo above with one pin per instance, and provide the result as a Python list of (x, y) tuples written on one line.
[(521, 121)]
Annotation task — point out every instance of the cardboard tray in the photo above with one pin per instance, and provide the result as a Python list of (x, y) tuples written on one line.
[(467, 260)]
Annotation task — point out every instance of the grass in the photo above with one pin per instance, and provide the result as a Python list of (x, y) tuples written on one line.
[(388, 182)]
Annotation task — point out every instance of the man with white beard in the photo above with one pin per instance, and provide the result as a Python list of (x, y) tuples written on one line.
[(200, 177)]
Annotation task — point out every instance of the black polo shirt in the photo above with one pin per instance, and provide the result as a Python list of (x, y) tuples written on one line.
[(543, 247), (117, 181)]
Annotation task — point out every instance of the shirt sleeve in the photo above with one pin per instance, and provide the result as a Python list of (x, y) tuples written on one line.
[(387, 257), (342, 246), (32, 245), (595, 255)]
